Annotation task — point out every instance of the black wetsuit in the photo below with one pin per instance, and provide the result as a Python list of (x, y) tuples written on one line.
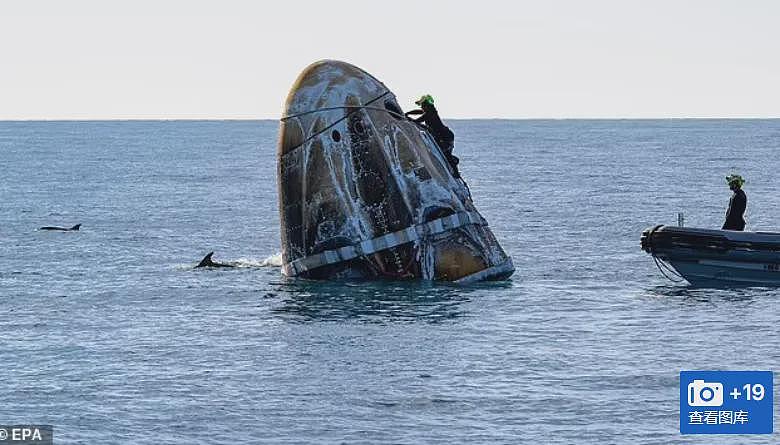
[(444, 137), (734, 215)]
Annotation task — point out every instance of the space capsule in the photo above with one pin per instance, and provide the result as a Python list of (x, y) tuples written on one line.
[(366, 193)]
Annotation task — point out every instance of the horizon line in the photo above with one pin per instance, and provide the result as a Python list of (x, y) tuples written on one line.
[(253, 119)]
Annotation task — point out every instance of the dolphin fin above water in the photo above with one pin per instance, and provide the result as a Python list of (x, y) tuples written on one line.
[(62, 229), (207, 262)]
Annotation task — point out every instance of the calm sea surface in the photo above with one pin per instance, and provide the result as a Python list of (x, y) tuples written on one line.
[(112, 337)]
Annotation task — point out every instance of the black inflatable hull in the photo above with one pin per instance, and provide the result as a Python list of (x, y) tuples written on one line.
[(717, 257)]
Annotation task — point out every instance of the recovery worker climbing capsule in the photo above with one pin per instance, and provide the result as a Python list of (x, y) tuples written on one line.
[(366, 193)]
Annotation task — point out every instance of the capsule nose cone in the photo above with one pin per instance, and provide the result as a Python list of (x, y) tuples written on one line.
[(320, 96), (329, 83)]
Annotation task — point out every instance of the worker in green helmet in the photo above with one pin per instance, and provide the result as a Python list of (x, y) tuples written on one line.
[(735, 215), (444, 137)]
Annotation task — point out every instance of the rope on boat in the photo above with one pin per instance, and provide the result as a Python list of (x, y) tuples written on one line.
[(661, 265), (665, 269)]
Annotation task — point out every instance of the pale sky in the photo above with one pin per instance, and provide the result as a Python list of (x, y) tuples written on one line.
[(81, 59)]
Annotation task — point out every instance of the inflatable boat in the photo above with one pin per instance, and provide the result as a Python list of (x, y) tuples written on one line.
[(706, 257)]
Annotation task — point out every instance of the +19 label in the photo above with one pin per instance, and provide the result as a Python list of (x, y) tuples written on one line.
[(752, 392)]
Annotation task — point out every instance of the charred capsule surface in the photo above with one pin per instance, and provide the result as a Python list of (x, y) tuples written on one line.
[(364, 192)]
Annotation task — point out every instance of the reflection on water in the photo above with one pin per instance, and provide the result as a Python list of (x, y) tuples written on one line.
[(378, 302), (706, 295)]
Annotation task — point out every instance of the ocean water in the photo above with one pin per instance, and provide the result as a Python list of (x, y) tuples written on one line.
[(111, 336)]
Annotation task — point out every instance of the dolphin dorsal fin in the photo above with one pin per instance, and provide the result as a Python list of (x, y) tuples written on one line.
[(76, 227), (206, 261)]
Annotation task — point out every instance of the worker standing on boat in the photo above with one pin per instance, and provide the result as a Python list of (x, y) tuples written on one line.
[(735, 215), (445, 138)]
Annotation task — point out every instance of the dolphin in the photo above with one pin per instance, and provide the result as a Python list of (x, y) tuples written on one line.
[(207, 262), (62, 229)]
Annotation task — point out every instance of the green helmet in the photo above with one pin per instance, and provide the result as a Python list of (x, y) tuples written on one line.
[(425, 99), (735, 179)]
